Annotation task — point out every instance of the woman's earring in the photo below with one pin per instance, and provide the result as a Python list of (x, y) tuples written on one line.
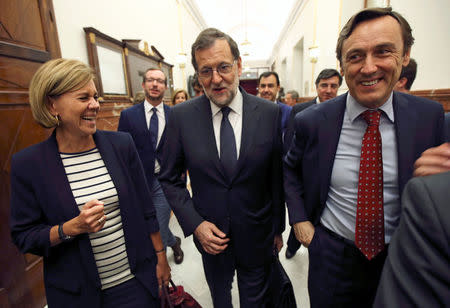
[(56, 119)]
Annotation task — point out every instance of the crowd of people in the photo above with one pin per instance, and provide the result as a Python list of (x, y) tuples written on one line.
[(364, 176)]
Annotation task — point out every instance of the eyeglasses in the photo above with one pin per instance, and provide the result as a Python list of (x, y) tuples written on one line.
[(222, 69), (151, 80)]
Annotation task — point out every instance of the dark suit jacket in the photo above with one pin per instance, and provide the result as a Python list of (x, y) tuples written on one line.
[(289, 134), (417, 269), (309, 162), (249, 207), (285, 112), (41, 198), (132, 120), (447, 126)]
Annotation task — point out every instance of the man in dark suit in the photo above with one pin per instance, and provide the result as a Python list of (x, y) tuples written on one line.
[(268, 88), (351, 157), (291, 98), (416, 273), (327, 85), (146, 122), (236, 212)]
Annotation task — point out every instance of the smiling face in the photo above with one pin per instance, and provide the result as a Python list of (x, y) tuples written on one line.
[(154, 86), (220, 88), (327, 88), (77, 111), (180, 97), (268, 88), (372, 60)]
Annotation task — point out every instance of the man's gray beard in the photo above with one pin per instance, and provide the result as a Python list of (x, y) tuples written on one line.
[(229, 100)]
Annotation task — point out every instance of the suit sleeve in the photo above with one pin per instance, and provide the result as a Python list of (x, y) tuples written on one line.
[(289, 134), (29, 231), (279, 211), (172, 167), (416, 272), (292, 171), (141, 187), (123, 123)]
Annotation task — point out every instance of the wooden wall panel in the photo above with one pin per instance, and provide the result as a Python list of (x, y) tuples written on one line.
[(28, 38), (439, 95), (15, 75), (27, 32)]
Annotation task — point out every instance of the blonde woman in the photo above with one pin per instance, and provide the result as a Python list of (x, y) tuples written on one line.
[(179, 96), (80, 200)]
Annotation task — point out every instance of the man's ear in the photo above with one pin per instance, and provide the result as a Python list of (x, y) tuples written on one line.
[(400, 84)]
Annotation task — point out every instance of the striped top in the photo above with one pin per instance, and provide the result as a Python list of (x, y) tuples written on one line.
[(89, 179)]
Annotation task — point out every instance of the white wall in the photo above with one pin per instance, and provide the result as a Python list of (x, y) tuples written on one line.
[(155, 21), (431, 27), (429, 21)]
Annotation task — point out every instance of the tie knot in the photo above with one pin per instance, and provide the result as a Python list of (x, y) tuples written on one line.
[(154, 109), (225, 111), (372, 117)]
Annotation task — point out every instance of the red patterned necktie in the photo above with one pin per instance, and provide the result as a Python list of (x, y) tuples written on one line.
[(369, 230)]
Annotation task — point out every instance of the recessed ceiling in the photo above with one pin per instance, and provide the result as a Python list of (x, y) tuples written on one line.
[(258, 21)]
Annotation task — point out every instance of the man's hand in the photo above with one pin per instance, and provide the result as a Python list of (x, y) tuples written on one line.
[(304, 232), (212, 239), (278, 242), (434, 160)]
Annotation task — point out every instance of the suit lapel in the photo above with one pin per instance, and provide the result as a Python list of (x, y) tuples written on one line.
[(140, 120), (206, 132), (166, 119), (404, 121), (250, 119), (58, 180), (330, 126)]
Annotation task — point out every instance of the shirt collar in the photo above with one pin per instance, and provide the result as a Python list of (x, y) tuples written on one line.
[(235, 105), (148, 107), (317, 100), (354, 109)]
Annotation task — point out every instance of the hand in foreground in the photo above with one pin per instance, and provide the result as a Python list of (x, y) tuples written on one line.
[(212, 239), (91, 218), (304, 232), (162, 270), (434, 160), (278, 242)]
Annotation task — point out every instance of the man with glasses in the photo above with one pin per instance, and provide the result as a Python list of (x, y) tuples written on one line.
[(268, 88), (236, 212), (145, 122)]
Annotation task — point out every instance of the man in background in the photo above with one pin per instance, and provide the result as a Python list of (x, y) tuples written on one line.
[(198, 89), (407, 77), (291, 98), (268, 88), (146, 122)]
